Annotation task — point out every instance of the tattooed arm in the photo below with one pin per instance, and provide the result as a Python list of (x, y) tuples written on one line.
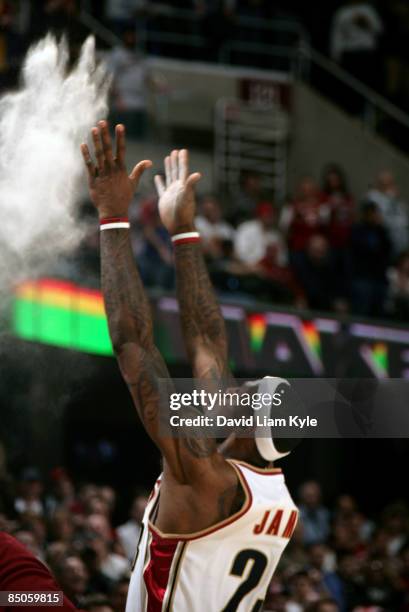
[(127, 307), (203, 326)]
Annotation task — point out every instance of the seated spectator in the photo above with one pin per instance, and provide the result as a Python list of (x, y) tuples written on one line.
[(316, 272), (355, 36), (324, 605), (129, 532), (398, 298), (214, 230), (393, 208), (156, 258), (119, 594), (250, 195), (254, 238), (395, 523), (29, 499), (314, 516), (302, 593), (345, 583), (306, 216), (73, 577), (341, 207), (370, 249)]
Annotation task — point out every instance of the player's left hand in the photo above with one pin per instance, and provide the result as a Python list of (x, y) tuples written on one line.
[(177, 204), (111, 189)]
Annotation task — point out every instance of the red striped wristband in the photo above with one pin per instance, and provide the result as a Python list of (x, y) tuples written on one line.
[(186, 238), (114, 223)]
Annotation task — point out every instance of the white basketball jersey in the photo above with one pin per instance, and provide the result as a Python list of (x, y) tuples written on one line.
[(225, 568)]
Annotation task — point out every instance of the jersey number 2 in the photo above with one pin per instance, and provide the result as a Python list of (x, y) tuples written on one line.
[(240, 563)]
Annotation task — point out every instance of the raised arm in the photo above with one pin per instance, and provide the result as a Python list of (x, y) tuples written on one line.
[(203, 326), (127, 306)]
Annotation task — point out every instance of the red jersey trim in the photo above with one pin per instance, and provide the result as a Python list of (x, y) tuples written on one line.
[(205, 532), (257, 470)]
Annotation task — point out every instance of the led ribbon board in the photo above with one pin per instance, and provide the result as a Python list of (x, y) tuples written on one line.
[(61, 314)]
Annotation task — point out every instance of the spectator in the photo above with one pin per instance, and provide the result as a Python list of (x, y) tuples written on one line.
[(341, 207), (395, 523), (302, 593), (119, 594), (314, 516), (29, 500), (72, 575), (129, 532), (250, 195), (370, 253), (214, 230), (316, 272), (156, 257), (111, 565), (254, 238), (130, 85), (306, 216), (393, 208), (355, 35), (324, 605), (345, 584), (398, 298), (121, 14)]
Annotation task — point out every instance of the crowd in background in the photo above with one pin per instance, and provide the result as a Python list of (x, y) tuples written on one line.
[(324, 250), (339, 560)]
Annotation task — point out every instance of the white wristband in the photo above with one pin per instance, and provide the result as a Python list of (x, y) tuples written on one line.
[(121, 225), (186, 238)]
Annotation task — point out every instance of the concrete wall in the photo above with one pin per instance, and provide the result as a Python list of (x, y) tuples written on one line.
[(322, 133)]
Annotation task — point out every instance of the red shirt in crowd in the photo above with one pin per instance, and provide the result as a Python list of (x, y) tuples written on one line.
[(21, 571)]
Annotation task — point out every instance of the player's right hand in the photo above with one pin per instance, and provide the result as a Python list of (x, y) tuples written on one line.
[(111, 189), (177, 205)]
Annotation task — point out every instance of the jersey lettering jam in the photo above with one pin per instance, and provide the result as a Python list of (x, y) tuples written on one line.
[(225, 568)]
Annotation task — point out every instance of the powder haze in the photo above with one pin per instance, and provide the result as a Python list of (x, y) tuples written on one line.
[(42, 125)]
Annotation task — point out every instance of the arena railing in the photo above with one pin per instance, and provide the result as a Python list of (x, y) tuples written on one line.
[(374, 111)]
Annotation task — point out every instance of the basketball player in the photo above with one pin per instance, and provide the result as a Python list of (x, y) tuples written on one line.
[(216, 523)]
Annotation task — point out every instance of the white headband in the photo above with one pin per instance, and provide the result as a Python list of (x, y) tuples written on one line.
[(265, 444)]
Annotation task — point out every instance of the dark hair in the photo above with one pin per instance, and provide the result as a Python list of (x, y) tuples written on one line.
[(334, 169), (316, 605)]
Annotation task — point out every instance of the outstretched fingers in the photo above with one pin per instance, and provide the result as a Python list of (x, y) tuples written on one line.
[(88, 161), (193, 179), (183, 165), (160, 185), (120, 146), (106, 144), (138, 171), (99, 153), (174, 165)]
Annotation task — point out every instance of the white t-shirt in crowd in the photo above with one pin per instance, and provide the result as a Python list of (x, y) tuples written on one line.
[(347, 35), (115, 567), (208, 231), (128, 535), (130, 77), (252, 241)]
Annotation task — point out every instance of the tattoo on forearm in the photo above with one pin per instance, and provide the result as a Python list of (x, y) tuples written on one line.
[(126, 304), (200, 313)]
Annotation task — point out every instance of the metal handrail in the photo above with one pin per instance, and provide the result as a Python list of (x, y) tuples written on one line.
[(299, 56), (370, 95)]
